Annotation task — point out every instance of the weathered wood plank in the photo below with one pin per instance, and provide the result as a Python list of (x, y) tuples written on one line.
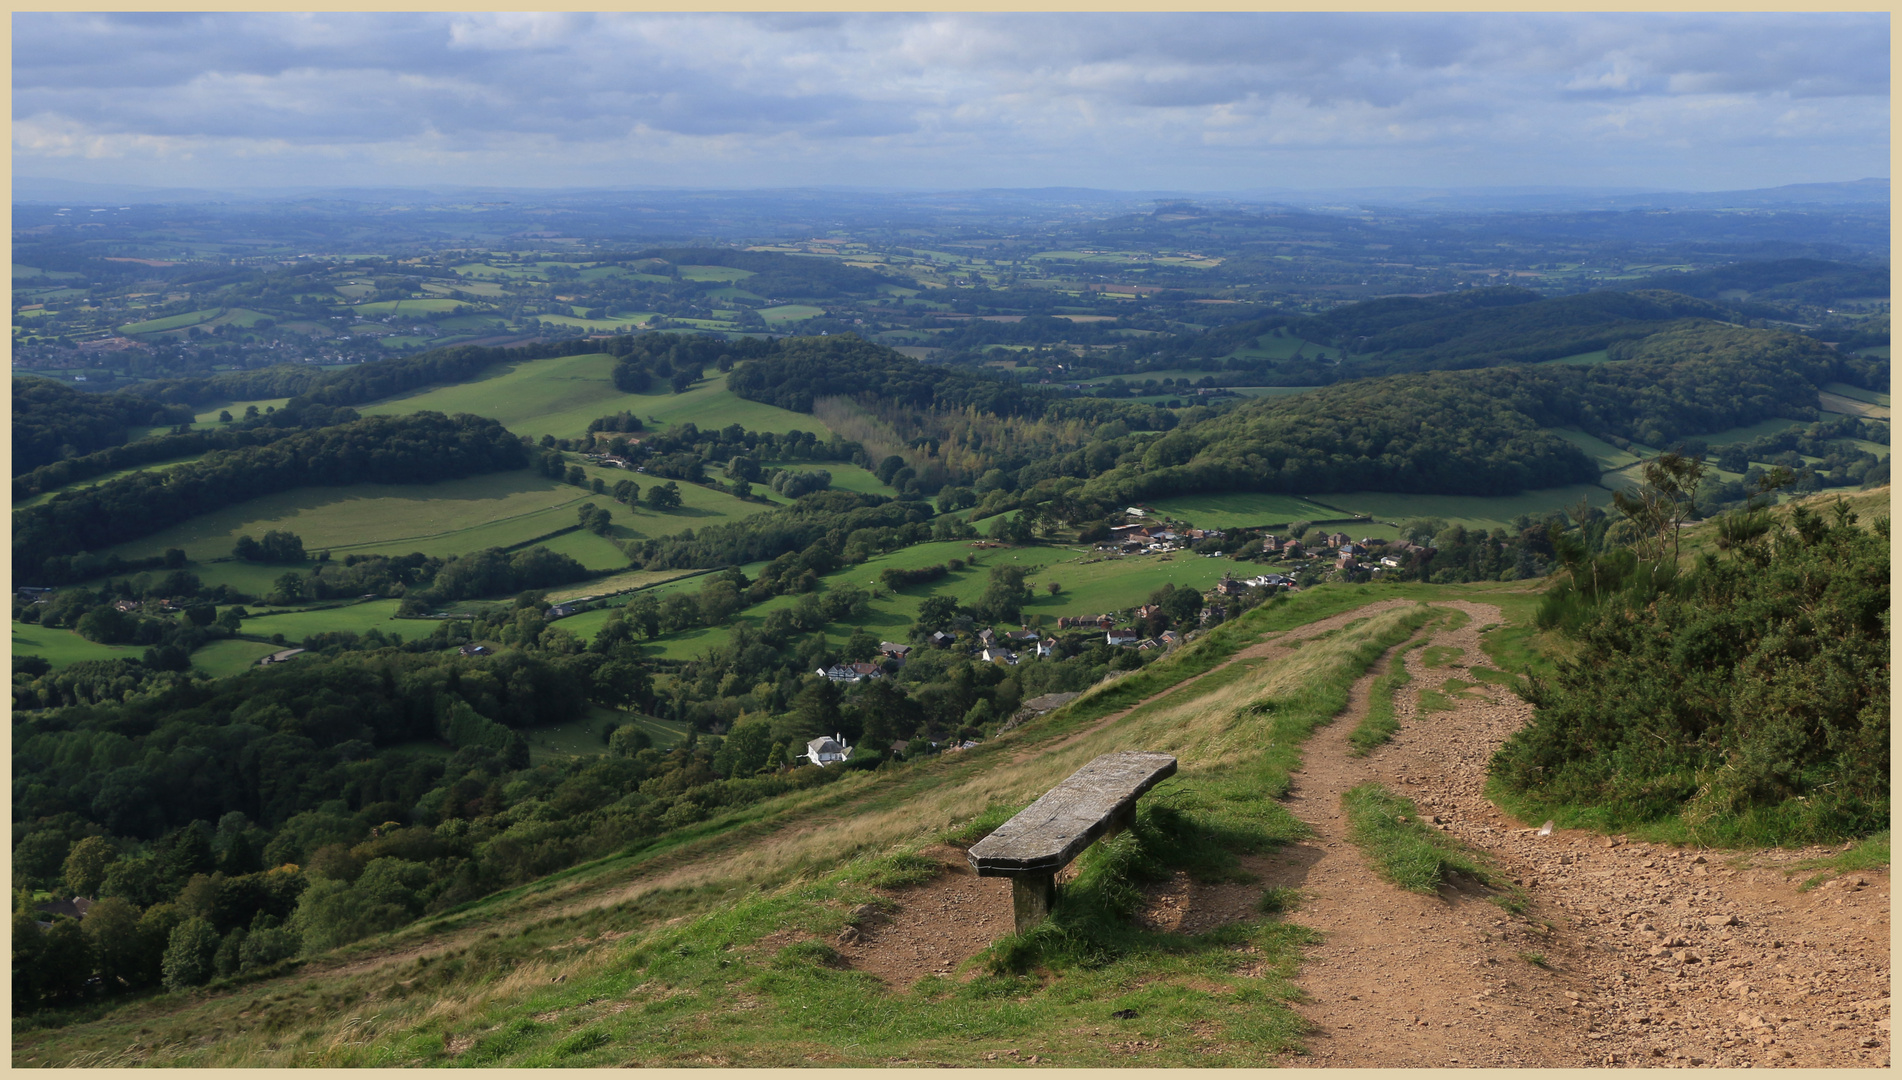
[(1095, 800)]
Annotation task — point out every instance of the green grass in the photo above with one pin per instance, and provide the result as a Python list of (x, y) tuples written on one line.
[(102, 478), (713, 273), (1404, 849), (1472, 511), (409, 307), (1857, 393), (1241, 509), (170, 322), (1603, 454), (1749, 433), (785, 313), (591, 551), (559, 396), (356, 618), (581, 737), (61, 647), (1597, 357), (236, 408), (1380, 724), (231, 656), (845, 477), (1870, 853)]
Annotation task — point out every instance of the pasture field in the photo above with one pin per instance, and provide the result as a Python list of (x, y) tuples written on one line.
[(1271, 391), (581, 737), (1839, 403), (559, 397), (1857, 393), (355, 618), (1241, 509), (1746, 434), (613, 324), (95, 481), (591, 551), (445, 518), (1091, 584), (1606, 456), (790, 313), (231, 656), (1270, 347), (236, 409), (61, 647), (1141, 377), (1472, 511), (409, 307), (1596, 357), (170, 322), (845, 477), (631, 580), (713, 273)]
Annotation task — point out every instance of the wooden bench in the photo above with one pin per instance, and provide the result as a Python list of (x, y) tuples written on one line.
[(1098, 800)]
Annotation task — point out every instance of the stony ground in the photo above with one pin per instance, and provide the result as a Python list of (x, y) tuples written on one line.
[(1629, 954)]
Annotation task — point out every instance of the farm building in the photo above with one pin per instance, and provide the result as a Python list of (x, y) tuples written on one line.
[(852, 673)]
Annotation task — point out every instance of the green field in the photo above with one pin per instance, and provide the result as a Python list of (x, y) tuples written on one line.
[(560, 396), (1603, 454), (790, 313), (61, 647), (1597, 357), (845, 477), (1472, 511), (581, 737), (625, 582), (170, 322), (94, 481), (1857, 393), (445, 518), (591, 551), (236, 409), (1746, 434), (356, 618), (713, 273), (409, 307), (231, 656), (1241, 509), (1091, 584)]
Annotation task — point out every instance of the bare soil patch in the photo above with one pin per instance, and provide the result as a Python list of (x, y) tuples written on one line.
[(935, 927)]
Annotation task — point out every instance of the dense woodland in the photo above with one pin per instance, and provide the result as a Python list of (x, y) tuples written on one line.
[(52, 421)]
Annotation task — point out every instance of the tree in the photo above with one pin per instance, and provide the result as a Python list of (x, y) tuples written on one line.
[(112, 929), (1658, 509), (664, 497), (1053, 588), (86, 864), (189, 954), (1005, 596), (743, 467)]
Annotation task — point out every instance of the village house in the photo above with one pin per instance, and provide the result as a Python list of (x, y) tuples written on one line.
[(1270, 542), (560, 611), (941, 640), (474, 650), (997, 654), (827, 750), (852, 673), (986, 636), (892, 650), (1122, 637), (1047, 647), (1339, 538)]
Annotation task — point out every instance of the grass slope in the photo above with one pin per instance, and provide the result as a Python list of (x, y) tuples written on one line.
[(710, 947), (62, 647), (560, 396)]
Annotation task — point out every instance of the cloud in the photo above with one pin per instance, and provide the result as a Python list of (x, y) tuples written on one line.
[(1107, 100)]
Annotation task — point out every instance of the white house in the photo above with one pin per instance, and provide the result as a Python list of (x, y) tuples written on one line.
[(827, 750)]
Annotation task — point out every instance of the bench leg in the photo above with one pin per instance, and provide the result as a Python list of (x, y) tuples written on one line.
[(1031, 896)]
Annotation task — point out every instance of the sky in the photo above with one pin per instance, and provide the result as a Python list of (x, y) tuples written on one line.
[(1208, 102)]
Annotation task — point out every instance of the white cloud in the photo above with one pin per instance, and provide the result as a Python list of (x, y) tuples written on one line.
[(976, 99)]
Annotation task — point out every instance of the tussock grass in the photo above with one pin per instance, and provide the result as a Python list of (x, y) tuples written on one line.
[(1403, 849)]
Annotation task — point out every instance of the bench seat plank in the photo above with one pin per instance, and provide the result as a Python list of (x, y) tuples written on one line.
[(1048, 833)]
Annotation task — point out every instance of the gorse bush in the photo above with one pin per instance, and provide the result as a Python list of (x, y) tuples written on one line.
[(1747, 697)]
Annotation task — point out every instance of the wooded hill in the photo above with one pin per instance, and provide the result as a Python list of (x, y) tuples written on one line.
[(1478, 432), (52, 420)]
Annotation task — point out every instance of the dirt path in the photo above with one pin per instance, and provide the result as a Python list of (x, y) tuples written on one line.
[(1651, 956)]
